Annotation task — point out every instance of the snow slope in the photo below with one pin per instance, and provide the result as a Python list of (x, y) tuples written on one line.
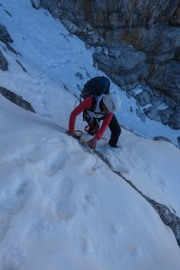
[(61, 207)]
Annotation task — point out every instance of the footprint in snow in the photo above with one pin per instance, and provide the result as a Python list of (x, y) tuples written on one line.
[(13, 258), (11, 203), (64, 208), (53, 163)]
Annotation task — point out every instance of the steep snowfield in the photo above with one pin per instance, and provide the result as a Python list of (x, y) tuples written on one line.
[(62, 208)]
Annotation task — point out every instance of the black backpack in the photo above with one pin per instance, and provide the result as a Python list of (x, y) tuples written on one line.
[(94, 87)]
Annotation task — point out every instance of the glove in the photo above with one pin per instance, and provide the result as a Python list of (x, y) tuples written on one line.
[(71, 133), (92, 143)]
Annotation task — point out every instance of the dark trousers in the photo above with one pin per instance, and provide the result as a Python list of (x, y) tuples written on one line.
[(115, 131)]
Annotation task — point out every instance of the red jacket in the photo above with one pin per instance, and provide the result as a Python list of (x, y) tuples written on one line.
[(83, 106)]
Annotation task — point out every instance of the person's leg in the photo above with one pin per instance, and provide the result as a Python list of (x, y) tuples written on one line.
[(115, 131)]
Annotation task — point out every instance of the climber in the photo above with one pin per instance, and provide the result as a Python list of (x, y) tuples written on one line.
[(96, 108)]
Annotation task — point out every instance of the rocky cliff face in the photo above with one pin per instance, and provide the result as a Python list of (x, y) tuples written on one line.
[(18, 100), (137, 42)]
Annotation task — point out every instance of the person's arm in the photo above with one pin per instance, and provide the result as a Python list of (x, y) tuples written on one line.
[(104, 125), (92, 143), (79, 109)]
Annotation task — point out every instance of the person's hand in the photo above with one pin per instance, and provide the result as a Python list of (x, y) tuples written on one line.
[(92, 143), (72, 133)]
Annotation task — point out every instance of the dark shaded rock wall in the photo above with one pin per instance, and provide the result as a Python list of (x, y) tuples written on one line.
[(149, 29), (3, 62), (16, 99)]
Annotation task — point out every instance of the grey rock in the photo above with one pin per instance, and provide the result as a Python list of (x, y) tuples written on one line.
[(10, 48), (178, 139), (6, 38), (4, 35), (141, 115), (143, 98), (159, 42), (177, 54), (79, 75), (161, 138), (128, 65), (166, 78), (175, 19), (162, 115), (165, 115), (23, 68), (71, 27), (115, 14), (170, 101), (174, 120), (152, 113), (168, 217), (3, 62), (36, 3), (18, 100), (56, 8)]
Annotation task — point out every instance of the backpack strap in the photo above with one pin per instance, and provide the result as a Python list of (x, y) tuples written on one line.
[(86, 116), (94, 102)]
